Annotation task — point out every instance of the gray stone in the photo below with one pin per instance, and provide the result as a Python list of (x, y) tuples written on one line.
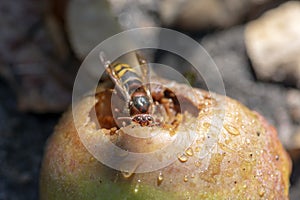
[(293, 102), (203, 14), (273, 44)]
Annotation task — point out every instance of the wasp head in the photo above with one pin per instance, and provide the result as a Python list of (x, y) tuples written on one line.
[(143, 119)]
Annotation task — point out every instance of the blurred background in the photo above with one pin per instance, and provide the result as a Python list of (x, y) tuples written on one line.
[(255, 44)]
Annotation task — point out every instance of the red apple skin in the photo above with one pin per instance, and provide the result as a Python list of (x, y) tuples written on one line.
[(247, 162)]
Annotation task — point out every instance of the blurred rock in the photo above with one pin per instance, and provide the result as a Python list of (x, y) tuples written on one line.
[(12, 31), (93, 21), (296, 138), (33, 78), (23, 137), (55, 22), (56, 32), (58, 9), (295, 191), (28, 59), (203, 14), (293, 102), (88, 24), (133, 14), (273, 44), (136, 13)]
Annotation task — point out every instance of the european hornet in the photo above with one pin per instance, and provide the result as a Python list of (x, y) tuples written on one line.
[(130, 84)]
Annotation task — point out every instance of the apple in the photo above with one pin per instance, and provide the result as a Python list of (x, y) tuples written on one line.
[(240, 159)]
